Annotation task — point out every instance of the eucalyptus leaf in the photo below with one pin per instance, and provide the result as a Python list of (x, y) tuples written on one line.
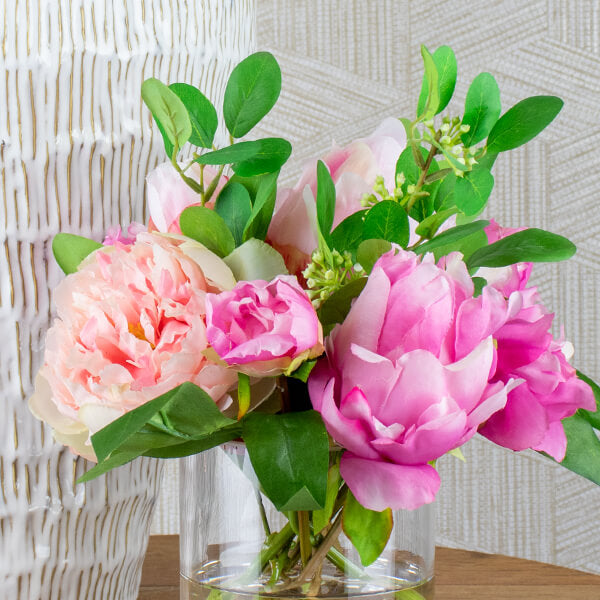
[(262, 209), (202, 113), (450, 236), (168, 110), (369, 251), (592, 417), (529, 245), (252, 158), (325, 199), (444, 199), (523, 122), (387, 220), (482, 108), (290, 456), (349, 233), (428, 108), (255, 259), (368, 530), (252, 90), (207, 227), (70, 249), (429, 226), (445, 62), (471, 192), (235, 207)]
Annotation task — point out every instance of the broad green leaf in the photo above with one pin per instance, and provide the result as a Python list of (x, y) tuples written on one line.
[(523, 122), (251, 158), (168, 110), (368, 530), (290, 456), (250, 183), (444, 198), (325, 199), (255, 259), (478, 284), (369, 251), (583, 448), (428, 108), (117, 459), (167, 143), (487, 161), (592, 417), (203, 115), (406, 164), (349, 233), (482, 108), (321, 518), (337, 306), (70, 249), (251, 92), (472, 191), (207, 227), (429, 226), (262, 209), (445, 63), (466, 246), (235, 206), (451, 236), (387, 220), (529, 245)]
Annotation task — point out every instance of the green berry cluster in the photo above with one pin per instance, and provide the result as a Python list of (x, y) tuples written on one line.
[(449, 137)]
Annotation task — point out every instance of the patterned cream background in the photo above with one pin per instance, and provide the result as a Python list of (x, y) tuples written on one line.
[(349, 63)]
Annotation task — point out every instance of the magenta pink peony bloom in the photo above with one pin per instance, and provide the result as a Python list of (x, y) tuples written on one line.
[(264, 328), (551, 390), (402, 382), (168, 195), (130, 327), (353, 169)]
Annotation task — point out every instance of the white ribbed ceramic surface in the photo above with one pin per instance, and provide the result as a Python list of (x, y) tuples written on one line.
[(347, 64), (75, 146)]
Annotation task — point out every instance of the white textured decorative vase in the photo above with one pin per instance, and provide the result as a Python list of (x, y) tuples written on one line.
[(75, 146)]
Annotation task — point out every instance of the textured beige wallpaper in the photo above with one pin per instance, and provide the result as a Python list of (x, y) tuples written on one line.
[(349, 63)]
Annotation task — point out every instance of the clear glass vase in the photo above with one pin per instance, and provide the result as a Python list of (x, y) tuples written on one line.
[(226, 553)]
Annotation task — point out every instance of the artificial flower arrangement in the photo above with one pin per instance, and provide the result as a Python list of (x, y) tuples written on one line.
[(350, 330)]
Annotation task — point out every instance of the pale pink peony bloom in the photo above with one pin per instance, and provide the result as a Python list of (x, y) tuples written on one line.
[(353, 170), (168, 195), (551, 390), (401, 383), (131, 326), (264, 328), (114, 234)]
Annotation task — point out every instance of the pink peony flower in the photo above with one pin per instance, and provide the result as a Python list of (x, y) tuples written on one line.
[(130, 327), (264, 328), (353, 169), (402, 383), (114, 234), (168, 195), (551, 390)]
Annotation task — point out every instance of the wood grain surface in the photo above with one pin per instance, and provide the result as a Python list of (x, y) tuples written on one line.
[(460, 575)]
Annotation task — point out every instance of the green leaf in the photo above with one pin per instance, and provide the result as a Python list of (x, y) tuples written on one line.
[(290, 456), (444, 198), (251, 158), (387, 220), (202, 113), (304, 370), (207, 227), (428, 108), (262, 209), (321, 518), (529, 245), (583, 448), (478, 284), (349, 233), (168, 110), (482, 108), (451, 236), (167, 143), (325, 199), (235, 206), (368, 530), (450, 158), (70, 249), (255, 259), (251, 92), (445, 63), (471, 192), (369, 251), (337, 306), (523, 122), (429, 226), (592, 417)]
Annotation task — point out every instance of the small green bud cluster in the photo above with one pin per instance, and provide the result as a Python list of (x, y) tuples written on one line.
[(369, 200), (325, 275), (449, 137)]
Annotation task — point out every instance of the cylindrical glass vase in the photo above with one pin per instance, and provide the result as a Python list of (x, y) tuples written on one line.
[(224, 542)]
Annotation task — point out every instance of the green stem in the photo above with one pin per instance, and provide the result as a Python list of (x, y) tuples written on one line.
[(213, 185), (191, 182), (263, 514), (243, 394), (304, 536), (336, 558)]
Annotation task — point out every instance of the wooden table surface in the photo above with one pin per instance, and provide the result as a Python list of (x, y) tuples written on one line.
[(459, 575)]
